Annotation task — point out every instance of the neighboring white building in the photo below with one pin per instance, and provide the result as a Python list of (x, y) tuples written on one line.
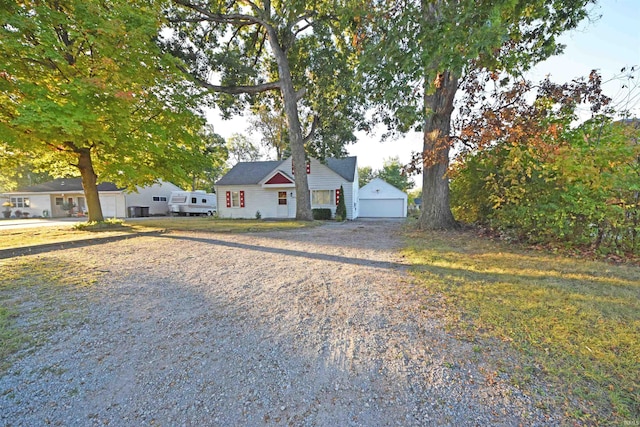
[(269, 188), (47, 199), (379, 199)]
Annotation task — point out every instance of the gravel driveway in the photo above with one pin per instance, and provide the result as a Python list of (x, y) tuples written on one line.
[(318, 327)]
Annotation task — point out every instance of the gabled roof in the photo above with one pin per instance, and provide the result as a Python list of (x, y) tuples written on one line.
[(251, 173), (380, 187), (345, 167), (278, 177), (61, 185), (248, 173)]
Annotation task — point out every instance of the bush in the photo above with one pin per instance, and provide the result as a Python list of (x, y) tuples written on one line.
[(258, 215), (581, 192), (321, 213)]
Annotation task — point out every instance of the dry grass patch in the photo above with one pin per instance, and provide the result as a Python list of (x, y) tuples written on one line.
[(576, 321), (38, 296), (216, 225), (33, 236), (18, 238)]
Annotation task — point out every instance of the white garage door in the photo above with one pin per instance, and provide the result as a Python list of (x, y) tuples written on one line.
[(108, 204), (381, 208)]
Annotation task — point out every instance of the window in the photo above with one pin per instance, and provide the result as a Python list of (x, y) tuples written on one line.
[(322, 197), (59, 201), (204, 201), (159, 199), (194, 200), (20, 202), (282, 197), (235, 199)]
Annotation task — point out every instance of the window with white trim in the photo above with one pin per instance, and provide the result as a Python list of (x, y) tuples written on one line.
[(20, 202), (235, 199), (159, 199), (322, 197)]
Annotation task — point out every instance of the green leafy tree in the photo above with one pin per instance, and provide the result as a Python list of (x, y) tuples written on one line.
[(271, 123), (393, 172), (245, 52), (365, 175), (210, 162), (414, 54), (242, 149), (544, 181), (83, 83)]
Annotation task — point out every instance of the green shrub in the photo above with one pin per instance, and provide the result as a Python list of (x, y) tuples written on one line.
[(580, 192), (321, 213)]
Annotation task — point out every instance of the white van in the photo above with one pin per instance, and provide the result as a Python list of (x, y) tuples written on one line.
[(187, 203)]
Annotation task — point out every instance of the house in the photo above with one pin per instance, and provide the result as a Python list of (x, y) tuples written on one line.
[(268, 187), (379, 199), (49, 198)]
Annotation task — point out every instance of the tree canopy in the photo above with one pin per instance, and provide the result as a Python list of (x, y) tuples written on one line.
[(84, 84), (392, 172), (415, 52), (274, 53)]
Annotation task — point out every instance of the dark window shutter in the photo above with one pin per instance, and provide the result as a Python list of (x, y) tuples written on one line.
[(308, 167), (337, 196), (228, 199), (242, 199)]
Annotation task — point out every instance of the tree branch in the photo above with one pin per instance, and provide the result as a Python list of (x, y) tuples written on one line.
[(233, 90), (314, 126), (230, 18)]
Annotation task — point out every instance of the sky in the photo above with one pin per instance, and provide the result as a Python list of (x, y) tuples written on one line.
[(608, 42)]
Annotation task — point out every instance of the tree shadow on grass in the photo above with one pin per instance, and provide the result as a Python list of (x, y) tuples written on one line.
[(290, 252), (57, 246)]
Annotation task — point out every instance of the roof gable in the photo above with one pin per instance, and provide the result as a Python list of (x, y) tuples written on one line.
[(278, 177), (248, 173), (378, 186), (253, 173)]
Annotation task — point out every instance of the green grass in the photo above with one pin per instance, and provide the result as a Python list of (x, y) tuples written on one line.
[(16, 238), (216, 225), (37, 296), (578, 321), (43, 235)]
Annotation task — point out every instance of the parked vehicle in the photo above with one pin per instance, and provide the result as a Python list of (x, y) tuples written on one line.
[(187, 203)]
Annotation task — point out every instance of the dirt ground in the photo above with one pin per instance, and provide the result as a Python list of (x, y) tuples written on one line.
[(314, 327)]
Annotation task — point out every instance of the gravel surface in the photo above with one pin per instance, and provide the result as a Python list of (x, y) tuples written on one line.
[(317, 327)]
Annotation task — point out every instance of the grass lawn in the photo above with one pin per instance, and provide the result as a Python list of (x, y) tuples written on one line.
[(37, 297), (217, 225), (15, 238), (577, 322)]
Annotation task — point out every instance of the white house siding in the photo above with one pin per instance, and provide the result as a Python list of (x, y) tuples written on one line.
[(38, 203), (113, 205), (380, 199), (323, 178), (144, 197), (255, 199), (355, 195)]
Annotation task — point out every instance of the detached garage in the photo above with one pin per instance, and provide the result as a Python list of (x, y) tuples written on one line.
[(379, 199)]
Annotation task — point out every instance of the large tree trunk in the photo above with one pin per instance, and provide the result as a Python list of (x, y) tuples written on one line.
[(290, 98), (89, 184), (436, 212)]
